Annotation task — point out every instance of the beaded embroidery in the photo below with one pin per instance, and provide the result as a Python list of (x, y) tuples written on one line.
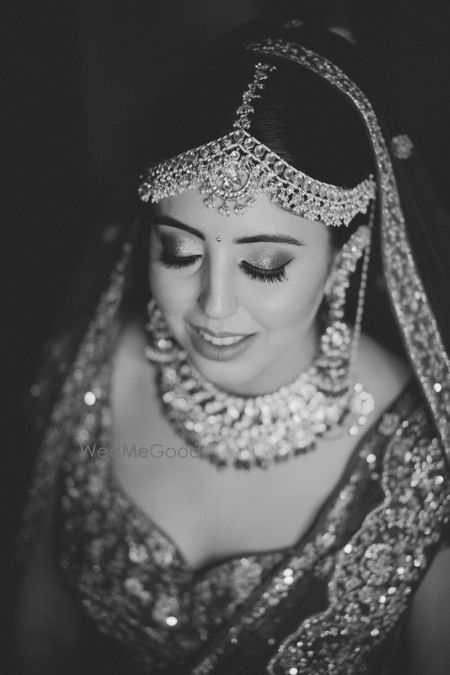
[(60, 424), (129, 576), (378, 568), (410, 463), (111, 570), (133, 583)]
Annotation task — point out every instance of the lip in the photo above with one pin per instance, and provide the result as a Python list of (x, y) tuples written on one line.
[(218, 352), (219, 334)]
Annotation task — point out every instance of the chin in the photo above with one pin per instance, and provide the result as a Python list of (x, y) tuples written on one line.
[(234, 376), (237, 370)]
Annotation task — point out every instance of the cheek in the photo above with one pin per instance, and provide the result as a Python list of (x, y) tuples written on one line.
[(294, 302), (173, 290)]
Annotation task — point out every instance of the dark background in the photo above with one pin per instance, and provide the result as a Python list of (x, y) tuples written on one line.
[(78, 79)]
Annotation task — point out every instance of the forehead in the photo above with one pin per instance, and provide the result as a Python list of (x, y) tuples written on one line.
[(262, 217)]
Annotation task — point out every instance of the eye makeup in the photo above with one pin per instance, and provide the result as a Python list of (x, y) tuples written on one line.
[(179, 247), (265, 274), (260, 265), (268, 260)]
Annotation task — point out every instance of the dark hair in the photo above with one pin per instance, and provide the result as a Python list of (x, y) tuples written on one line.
[(299, 116)]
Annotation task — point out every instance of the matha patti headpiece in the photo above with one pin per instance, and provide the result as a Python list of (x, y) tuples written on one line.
[(232, 170)]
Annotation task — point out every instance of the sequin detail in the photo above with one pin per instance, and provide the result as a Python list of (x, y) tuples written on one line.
[(377, 570), (133, 583), (130, 578), (58, 433)]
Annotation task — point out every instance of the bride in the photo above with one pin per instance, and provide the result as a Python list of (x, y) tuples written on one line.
[(242, 468)]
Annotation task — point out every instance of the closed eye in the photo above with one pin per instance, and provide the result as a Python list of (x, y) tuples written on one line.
[(176, 261), (263, 274), (271, 275)]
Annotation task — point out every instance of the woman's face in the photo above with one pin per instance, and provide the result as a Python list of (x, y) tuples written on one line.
[(240, 293)]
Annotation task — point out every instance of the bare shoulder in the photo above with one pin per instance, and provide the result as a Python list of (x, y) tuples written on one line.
[(384, 373)]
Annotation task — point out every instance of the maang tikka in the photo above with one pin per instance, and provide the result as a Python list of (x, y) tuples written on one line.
[(230, 171)]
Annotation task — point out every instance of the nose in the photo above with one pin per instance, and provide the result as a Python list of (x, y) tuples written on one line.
[(217, 296)]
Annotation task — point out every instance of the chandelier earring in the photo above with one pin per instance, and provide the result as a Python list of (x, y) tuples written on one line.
[(336, 361), (337, 344), (161, 346)]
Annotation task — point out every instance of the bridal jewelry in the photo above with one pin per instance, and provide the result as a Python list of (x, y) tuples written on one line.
[(258, 430), (230, 171)]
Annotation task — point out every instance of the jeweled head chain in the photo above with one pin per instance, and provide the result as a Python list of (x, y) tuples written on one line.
[(257, 431), (231, 170)]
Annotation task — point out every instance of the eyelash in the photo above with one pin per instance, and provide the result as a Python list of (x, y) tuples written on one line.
[(255, 273), (177, 262), (258, 274)]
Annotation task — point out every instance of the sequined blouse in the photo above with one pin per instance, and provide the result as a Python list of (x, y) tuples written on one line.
[(333, 603)]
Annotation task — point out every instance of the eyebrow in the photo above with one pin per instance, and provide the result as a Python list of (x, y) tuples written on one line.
[(173, 222), (275, 238)]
